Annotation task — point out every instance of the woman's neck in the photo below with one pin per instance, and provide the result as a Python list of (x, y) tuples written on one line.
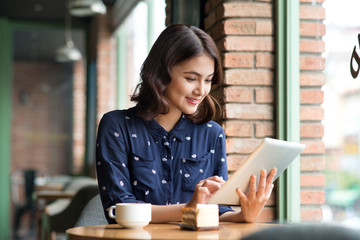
[(169, 120)]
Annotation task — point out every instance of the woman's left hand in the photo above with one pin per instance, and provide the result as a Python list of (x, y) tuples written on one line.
[(254, 201)]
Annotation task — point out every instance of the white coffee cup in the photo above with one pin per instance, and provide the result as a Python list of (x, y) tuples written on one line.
[(131, 215)]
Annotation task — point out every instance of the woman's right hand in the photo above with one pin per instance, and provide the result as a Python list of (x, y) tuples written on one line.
[(205, 189)]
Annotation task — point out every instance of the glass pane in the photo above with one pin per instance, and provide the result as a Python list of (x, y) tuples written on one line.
[(135, 37), (342, 115), (48, 103)]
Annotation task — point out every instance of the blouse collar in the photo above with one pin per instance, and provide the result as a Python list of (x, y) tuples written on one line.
[(157, 131)]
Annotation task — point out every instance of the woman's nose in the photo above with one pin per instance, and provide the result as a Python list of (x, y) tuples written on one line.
[(200, 89)]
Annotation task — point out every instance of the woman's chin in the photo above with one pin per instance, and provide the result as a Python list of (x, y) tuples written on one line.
[(189, 112)]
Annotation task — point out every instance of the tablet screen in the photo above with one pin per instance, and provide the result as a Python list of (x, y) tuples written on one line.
[(271, 153)]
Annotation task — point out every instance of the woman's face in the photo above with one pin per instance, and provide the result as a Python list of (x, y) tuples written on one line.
[(190, 83)]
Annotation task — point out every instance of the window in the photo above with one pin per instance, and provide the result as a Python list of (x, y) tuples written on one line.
[(342, 115), (135, 37)]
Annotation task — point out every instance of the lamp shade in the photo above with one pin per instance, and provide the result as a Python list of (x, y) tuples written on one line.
[(84, 8), (67, 52)]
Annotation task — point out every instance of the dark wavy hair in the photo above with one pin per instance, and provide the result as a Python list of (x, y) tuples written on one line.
[(176, 44)]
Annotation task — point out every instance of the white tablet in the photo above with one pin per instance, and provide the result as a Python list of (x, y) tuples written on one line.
[(269, 154)]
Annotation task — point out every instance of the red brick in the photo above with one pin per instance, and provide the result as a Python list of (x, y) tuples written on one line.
[(211, 5), (267, 215), (264, 60), (248, 27), (311, 96), (312, 130), (214, 16), (264, 27), (313, 147), (312, 197), (312, 46), (236, 9), (235, 128), (312, 63), (310, 29), (264, 95), (249, 77), (312, 79), (311, 215), (241, 145), (238, 94), (243, 60), (312, 12), (239, 27), (235, 43), (249, 111), (264, 129), (217, 31), (312, 163), (307, 180), (311, 113)]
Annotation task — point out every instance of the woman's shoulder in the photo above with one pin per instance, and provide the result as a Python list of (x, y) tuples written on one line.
[(120, 116), (121, 112)]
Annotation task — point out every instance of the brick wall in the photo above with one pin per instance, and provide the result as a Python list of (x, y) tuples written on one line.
[(106, 65), (312, 64), (244, 33), (41, 116)]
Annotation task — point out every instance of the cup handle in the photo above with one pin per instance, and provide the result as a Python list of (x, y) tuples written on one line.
[(111, 212)]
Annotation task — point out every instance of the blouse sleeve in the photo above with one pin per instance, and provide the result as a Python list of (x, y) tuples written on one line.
[(221, 169), (112, 165)]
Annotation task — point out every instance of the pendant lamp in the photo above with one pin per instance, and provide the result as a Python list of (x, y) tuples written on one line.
[(68, 51), (86, 8)]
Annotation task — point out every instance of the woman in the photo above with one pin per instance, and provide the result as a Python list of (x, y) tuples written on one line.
[(166, 150)]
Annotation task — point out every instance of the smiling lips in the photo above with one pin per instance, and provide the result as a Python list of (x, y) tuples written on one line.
[(193, 101)]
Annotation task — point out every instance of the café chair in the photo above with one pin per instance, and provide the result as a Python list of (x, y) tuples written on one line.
[(93, 213), (315, 231), (62, 214)]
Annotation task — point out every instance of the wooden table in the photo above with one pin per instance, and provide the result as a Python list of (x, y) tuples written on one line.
[(163, 231), (49, 195)]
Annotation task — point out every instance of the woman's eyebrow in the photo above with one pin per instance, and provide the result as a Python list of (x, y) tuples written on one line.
[(198, 74)]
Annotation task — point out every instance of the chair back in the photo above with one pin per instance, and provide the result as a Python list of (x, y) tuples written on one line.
[(93, 213)]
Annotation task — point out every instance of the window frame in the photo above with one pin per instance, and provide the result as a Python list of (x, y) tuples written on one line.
[(288, 104)]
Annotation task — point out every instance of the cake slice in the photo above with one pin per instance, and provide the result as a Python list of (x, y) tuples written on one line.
[(203, 217)]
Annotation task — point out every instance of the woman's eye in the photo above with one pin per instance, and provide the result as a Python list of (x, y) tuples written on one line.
[(209, 80), (190, 79)]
